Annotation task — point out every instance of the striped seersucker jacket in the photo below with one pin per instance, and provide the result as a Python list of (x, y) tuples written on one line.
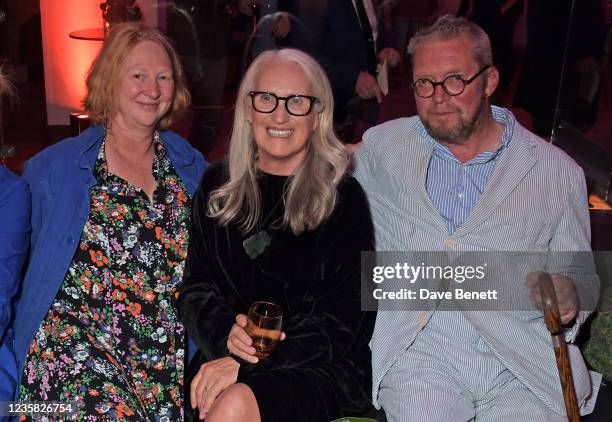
[(535, 201)]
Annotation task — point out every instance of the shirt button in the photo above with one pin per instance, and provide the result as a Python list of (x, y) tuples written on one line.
[(460, 195), (451, 241), (421, 320)]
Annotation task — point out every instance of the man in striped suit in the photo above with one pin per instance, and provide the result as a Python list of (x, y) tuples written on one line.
[(465, 176)]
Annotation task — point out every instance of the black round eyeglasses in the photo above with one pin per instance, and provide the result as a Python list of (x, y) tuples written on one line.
[(295, 104), (453, 85)]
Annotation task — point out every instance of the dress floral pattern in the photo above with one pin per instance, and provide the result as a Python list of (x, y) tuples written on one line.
[(112, 343)]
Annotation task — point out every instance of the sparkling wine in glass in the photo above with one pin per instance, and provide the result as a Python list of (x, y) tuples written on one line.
[(265, 320)]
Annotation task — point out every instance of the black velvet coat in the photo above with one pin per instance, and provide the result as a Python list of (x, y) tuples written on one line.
[(322, 370)]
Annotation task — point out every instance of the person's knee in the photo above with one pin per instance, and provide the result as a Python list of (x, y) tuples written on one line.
[(236, 403)]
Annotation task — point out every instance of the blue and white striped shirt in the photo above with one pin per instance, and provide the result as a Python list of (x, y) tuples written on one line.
[(454, 187)]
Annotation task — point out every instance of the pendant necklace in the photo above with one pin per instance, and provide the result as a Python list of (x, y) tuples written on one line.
[(257, 243)]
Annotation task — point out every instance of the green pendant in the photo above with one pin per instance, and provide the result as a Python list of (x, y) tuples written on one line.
[(256, 244)]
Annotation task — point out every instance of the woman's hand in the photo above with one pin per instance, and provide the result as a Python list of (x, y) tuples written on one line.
[(239, 343), (210, 381)]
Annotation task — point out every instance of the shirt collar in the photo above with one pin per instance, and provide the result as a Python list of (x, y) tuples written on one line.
[(501, 115)]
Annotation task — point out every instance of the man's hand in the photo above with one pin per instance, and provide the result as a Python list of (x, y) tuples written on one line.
[(210, 381), (282, 25), (239, 343), (367, 87), (391, 55), (567, 298)]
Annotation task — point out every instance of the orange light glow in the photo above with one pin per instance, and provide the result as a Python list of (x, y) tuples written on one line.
[(66, 59)]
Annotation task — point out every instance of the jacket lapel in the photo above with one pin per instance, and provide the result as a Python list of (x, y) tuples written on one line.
[(354, 18), (514, 164), (415, 178), (89, 149)]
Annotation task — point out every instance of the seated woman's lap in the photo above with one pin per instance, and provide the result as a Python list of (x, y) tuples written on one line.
[(70, 363), (302, 394)]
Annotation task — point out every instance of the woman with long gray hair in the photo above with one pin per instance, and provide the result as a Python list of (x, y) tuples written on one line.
[(281, 222)]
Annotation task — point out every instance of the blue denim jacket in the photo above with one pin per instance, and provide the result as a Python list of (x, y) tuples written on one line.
[(14, 240), (60, 179)]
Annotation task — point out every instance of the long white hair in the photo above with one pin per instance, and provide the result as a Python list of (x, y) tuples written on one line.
[(311, 194)]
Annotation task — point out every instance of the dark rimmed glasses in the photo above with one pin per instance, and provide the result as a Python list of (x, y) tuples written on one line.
[(295, 104), (453, 85)]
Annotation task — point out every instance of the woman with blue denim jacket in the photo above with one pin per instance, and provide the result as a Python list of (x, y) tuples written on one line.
[(96, 326), (14, 240)]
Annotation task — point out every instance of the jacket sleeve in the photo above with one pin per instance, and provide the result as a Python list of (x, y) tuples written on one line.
[(570, 249), (199, 294), (14, 242), (39, 186), (342, 66)]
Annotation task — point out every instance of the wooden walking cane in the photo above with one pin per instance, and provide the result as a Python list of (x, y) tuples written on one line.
[(553, 323)]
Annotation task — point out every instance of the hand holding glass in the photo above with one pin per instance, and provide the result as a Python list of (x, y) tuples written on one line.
[(264, 324)]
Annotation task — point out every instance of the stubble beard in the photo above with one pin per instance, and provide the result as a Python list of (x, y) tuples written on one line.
[(465, 128)]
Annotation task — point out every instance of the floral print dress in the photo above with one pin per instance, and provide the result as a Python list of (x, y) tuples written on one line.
[(112, 343)]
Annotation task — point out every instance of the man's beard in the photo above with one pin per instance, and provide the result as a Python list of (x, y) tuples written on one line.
[(462, 130)]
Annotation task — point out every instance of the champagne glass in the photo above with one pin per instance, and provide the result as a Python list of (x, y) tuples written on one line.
[(264, 326)]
